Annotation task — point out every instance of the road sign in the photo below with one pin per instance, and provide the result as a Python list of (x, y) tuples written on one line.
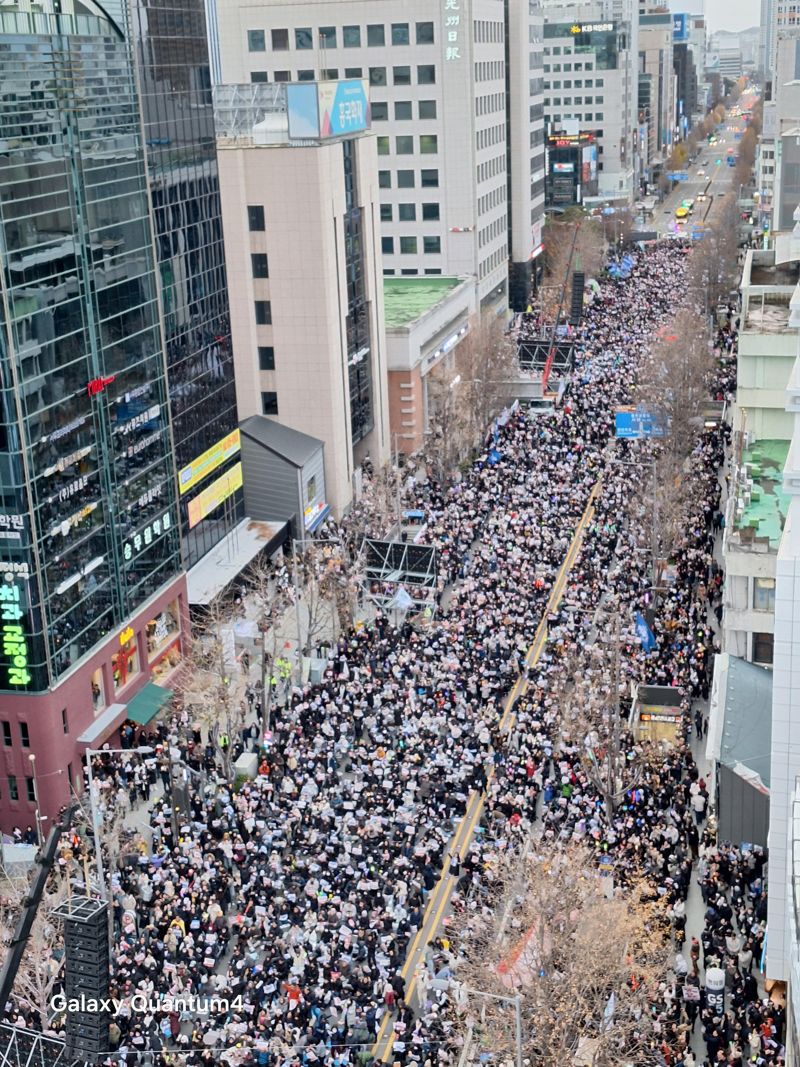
[(635, 423), (678, 175)]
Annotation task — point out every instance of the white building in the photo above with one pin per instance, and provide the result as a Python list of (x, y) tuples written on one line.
[(304, 281), (441, 76), (591, 85)]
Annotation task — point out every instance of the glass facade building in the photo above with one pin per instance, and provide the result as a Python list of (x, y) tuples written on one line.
[(89, 519), (171, 50)]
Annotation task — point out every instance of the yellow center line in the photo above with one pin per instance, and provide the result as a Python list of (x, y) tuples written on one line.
[(440, 897)]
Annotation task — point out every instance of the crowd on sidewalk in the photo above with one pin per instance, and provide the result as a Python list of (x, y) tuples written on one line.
[(297, 897)]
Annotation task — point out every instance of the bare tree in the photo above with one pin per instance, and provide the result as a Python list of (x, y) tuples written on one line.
[(40, 969), (582, 958)]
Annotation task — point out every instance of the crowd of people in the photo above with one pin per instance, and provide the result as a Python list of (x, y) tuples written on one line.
[(295, 899)]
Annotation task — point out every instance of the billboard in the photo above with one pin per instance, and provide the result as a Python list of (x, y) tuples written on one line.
[(680, 27), (563, 168), (214, 495), (204, 464), (327, 109)]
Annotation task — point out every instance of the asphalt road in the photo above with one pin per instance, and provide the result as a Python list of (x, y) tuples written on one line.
[(705, 176)]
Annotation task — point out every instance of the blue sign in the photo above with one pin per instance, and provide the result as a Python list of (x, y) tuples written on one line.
[(637, 423), (327, 109), (680, 27), (678, 175)]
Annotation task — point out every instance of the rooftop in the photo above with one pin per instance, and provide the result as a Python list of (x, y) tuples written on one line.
[(405, 299), (765, 514)]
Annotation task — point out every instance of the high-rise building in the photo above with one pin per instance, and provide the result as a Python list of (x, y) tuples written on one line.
[(454, 89), (657, 87), (170, 47), (92, 597), (591, 88)]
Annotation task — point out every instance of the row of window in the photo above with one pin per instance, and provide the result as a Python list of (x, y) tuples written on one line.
[(491, 168), (487, 138), (327, 37), (490, 70), (404, 145), (412, 270), (409, 246), (408, 212), (488, 32), (557, 101), (426, 75), (406, 179), (13, 789), (24, 735), (577, 83), (492, 199), (491, 102), (403, 110), (588, 117), (488, 233), (558, 68), (493, 261)]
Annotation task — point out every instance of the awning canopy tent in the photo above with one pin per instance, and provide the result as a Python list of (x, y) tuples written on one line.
[(230, 556), (147, 703), (105, 723)]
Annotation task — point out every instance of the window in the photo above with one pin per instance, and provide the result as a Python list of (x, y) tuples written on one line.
[(375, 36), (404, 146), (762, 648), (351, 36), (258, 261), (7, 734), (263, 310), (384, 179), (13, 791), (402, 110), (377, 75), (383, 146), (426, 74), (327, 36), (424, 33), (280, 40), (764, 594), (401, 75), (400, 33), (125, 663), (255, 217), (387, 271), (330, 74), (429, 179), (387, 246), (427, 109), (258, 76), (64, 720), (30, 789), (311, 489), (430, 212), (380, 111), (70, 779), (266, 357), (24, 736), (305, 75), (431, 244), (409, 270), (433, 270), (405, 179), (407, 212), (269, 403), (428, 144), (386, 212), (256, 41), (303, 39), (354, 72), (282, 76), (408, 246)]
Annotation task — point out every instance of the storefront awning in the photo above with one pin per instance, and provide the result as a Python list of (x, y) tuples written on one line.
[(228, 558), (147, 703), (319, 518), (105, 724)]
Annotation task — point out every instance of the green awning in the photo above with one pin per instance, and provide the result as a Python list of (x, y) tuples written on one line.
[(147, 703)]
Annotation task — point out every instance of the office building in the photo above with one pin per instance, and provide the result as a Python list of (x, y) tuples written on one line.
[(591, 87), (657, 103), (441, 77), (92, 597), (302, 230), (174, 84)]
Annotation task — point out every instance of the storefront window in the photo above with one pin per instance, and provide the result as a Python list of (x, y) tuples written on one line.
[(98, 691), (162, 629), (125, 663)]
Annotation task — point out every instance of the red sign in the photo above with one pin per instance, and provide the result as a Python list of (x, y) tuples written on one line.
[(97, 385)]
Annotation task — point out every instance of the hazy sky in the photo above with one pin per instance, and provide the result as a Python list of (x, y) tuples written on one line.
[(730, 14)]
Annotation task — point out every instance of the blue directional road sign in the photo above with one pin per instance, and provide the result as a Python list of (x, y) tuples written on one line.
[(678, 175), (635, 423)]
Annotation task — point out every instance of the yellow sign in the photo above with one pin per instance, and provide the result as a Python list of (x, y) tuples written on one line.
[(213, 495), (126, 635), (212, 458)]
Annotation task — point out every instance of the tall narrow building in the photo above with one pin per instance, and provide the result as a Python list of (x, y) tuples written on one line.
[(92, 597)]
